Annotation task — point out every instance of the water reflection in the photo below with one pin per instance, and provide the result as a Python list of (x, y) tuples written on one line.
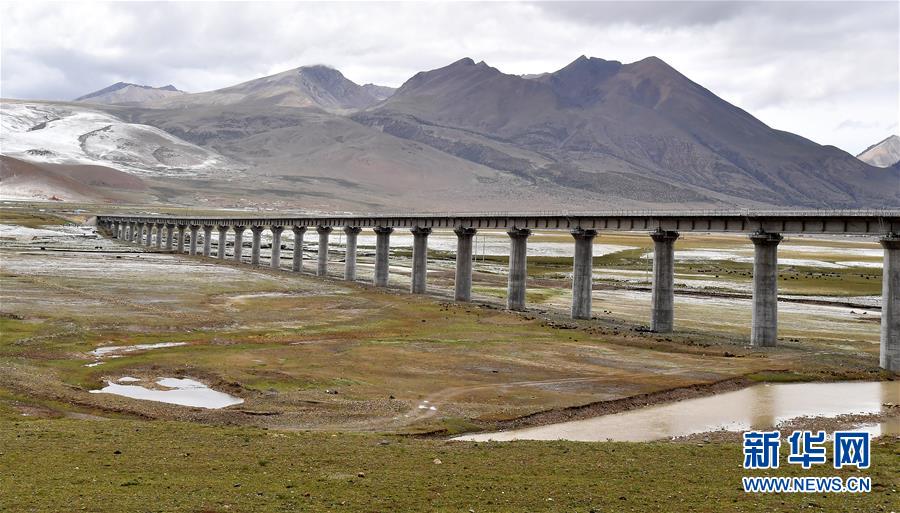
[(760, 406)]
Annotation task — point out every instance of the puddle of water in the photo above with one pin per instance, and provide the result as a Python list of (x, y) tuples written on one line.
[(117, 350), (185, 392), (760, 407)]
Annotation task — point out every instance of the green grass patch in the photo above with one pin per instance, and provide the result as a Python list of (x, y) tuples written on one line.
[(120, 465)]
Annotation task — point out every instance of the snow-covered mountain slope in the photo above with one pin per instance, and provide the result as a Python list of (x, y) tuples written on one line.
[(71, 134), (884, 154)]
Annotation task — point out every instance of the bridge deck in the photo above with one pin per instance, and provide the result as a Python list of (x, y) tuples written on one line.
[(874, 222)]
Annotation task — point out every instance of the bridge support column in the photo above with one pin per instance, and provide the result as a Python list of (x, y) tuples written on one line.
[(382, 253), (297, 264), (464, 263), (350, 254), (238, 243), (114, 230), (890, 305), (322, 267), (518, 268), (170, 234), (193, 245), (148, 240), (256, 232), (159, 235), (223, 242), (764, 331), (128, 228), (179, 242), (583, 273), (662, 317), (276, 246), (207, 239), (419, 260)]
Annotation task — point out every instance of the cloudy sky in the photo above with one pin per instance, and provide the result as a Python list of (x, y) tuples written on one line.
[(825, 70)]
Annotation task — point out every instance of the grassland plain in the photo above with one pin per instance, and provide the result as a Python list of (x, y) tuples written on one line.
[(332, 375)]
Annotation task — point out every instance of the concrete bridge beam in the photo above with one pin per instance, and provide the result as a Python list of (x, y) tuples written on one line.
[(256, 232), (179, 241), (764, 330), (276, 246), (322, 257), (582, 273), (193, 245), (238, 242), (297, 264), (382, 254), (518, 268), (662, 316), (223, 241), (463, 280), (170, 234), (419, 260), (207, 239), (350, 254), (889, 357)]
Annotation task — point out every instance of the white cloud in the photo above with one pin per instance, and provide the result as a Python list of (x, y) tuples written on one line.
[(806, 67)]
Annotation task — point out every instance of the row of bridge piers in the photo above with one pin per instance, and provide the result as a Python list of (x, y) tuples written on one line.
[(764, 328)]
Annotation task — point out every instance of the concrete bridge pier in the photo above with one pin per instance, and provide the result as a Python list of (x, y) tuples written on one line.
[(583, 273), (114, 228), (139, 234), (518, 268), (890, 305), (350, 255), (207, 239), (464, 262), (322, 267), (276, 246), (419, 260), (179, 241), (170, 233), (128, 227), (238, 243), (159, 235), (382, 253), (297, 264), (662, 317), (148, 241), (223, 241), (193, 246), (256, 232), (764, 330)]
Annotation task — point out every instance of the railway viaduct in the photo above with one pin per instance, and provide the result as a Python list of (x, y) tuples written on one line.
[(764, 228)]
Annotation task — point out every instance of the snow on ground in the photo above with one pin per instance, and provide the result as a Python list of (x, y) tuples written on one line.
[(184, 391), (60, 134)]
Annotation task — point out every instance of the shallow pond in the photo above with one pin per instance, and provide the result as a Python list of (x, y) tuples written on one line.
[(760, 406)]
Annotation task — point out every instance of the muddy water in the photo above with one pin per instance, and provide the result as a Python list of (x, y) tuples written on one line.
[(760, 406)]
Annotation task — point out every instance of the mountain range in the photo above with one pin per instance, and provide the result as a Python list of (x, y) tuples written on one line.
[(885, 153), (595, 134)]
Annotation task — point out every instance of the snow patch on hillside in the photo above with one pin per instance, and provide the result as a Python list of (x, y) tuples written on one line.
[(61, 134)]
